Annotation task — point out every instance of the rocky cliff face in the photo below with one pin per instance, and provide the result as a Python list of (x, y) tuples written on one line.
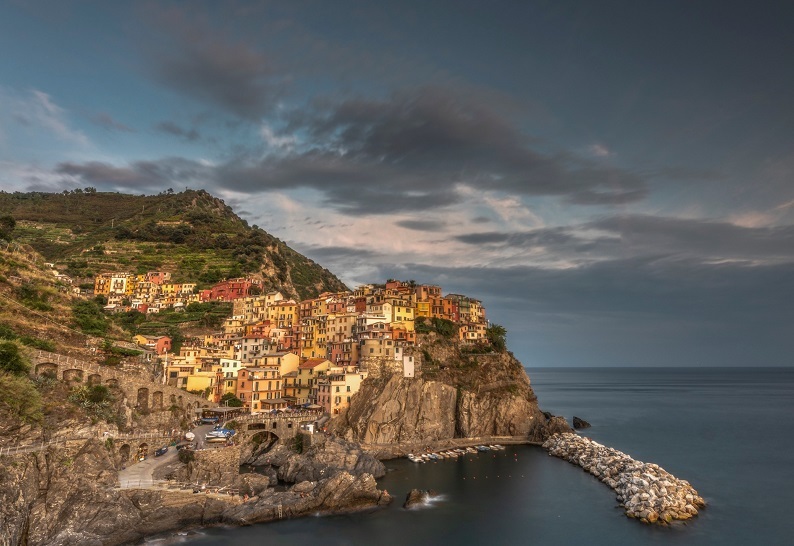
[(64, 497), (455, 395)]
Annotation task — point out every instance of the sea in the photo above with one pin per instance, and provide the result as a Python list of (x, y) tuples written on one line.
[(728, 431)]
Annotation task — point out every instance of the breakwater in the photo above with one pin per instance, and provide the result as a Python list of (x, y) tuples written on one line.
[(645, 490)]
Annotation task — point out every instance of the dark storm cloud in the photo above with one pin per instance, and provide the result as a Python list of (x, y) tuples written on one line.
[(423, 225), (197, 61), (140, 175), (106, 121), (171, 128), (639, 235), (411, 152)]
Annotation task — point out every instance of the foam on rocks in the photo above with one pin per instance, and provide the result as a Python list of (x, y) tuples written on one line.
[(645, 490)]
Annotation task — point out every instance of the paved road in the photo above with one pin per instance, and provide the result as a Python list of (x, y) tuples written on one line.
[(140, 474)]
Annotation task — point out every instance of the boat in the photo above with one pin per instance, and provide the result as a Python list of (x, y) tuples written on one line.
[(471, 450), (433, 456), (482, 448), (415, 458), (498, 446)]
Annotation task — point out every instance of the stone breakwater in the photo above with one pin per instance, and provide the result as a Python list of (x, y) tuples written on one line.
[(646, 491)]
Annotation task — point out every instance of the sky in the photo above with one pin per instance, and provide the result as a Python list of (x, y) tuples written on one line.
[(615, 180)]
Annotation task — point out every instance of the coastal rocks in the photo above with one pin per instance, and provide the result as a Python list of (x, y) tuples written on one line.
[(645, 490), (324, 460), (580, 423), (418, 497), (340, 493)]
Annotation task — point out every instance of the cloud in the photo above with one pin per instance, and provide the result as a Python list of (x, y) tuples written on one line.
[(640, 236), (171, 128), (199, 62), (422, 225), (418, 150), (106, 121), (38, 110), (140, 175)]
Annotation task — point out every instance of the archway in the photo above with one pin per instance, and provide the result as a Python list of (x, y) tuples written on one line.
[(264, 440), (124, 453), (112, 383), (143, 451), (73, 375), (47, 369), (94, 379), (143, 398), (157, 400)]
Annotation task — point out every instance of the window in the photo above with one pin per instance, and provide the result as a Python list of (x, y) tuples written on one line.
[(348, 388), (337, 389)]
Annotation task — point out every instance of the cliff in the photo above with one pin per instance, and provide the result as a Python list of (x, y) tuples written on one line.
[(455, 394), (68, 497)]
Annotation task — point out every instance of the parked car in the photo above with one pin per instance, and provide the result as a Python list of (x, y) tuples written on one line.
[(161, 451)]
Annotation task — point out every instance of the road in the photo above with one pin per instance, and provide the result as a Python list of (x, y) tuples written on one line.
[(140, 474)]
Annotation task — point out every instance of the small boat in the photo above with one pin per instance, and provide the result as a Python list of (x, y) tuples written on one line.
[(415, 459), (471, 450), (433, 456), (498, 446), (482, 448), (425, 457)]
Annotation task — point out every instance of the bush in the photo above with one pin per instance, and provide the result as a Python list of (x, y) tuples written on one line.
[(36, 343), (89, 318), (11, 360), (97, 400), (20, 398)]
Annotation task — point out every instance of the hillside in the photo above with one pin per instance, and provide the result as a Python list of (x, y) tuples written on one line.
[(193, 235)]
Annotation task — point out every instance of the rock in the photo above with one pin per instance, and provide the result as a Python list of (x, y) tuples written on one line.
[(323, 461), (414, 497), (580, 423), (471, 397), (647, 491)]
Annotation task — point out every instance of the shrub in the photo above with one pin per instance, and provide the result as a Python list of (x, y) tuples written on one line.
[(11, 360), (19, 397), (89, 318)]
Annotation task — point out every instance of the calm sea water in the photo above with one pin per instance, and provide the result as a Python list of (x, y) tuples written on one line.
[(727, 431)]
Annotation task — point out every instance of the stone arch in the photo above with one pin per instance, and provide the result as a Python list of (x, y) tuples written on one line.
[(47, 369), (113, 383), (266, 438), (143, 451), (257, 426), (143, 398), (189, 406), (179, 401), (172, 399), (275, 424), (157, 400), (124, 453), (94, 379), (73, 375)]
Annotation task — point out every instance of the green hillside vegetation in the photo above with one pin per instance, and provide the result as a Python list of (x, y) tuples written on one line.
[(191, 234)]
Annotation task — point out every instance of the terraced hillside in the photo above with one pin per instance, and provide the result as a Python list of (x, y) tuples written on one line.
[(191, 234)]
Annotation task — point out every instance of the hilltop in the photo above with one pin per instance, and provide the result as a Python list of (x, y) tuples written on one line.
[(192, 234)]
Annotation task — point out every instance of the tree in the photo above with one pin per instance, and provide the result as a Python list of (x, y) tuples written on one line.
[(19, 396), (11, 360), (497, 335), (229, 399), (7, 225)]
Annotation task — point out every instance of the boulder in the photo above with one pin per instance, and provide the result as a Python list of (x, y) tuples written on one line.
[(418, 496), (579, 423)]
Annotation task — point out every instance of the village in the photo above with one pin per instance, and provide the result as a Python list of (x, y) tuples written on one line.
[(274, 353)]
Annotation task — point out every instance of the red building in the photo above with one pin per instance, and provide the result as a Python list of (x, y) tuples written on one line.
[(232, 289)]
